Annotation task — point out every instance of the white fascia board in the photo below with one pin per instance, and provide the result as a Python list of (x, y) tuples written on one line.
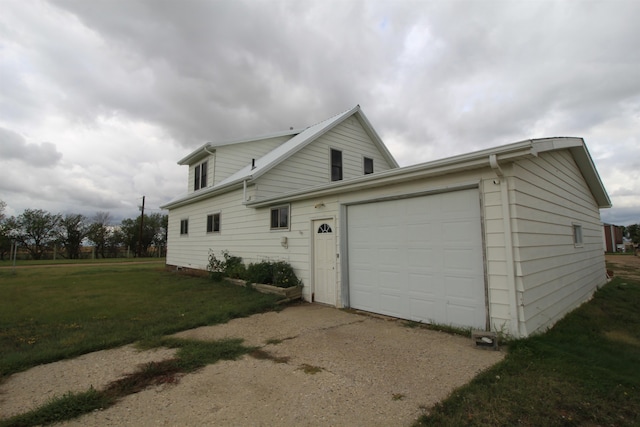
[(283, 152), (364, 121), (202, 150), (379, 179), (204, 194), (580, 153)]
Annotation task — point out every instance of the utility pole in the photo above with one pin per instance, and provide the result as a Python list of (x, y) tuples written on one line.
[(141, 228)]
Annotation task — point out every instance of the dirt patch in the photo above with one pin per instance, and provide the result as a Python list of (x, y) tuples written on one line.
[(624, 266), (317, 366)]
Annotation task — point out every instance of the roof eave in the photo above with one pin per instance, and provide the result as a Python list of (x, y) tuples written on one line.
[(479, 159), (205, 194), (202, 150)]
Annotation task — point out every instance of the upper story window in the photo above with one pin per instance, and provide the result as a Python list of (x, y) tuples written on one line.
[(368, 165), (200, 176), (184, 226), (213, 223), (336, 165), (280, 218)]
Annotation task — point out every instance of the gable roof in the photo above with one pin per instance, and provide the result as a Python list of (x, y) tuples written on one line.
[(301, 140), (279, 154), (474, 160)]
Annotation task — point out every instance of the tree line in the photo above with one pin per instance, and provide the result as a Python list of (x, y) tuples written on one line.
[(38, 232)]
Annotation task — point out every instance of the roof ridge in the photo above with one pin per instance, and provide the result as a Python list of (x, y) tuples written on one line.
[(334, 116)]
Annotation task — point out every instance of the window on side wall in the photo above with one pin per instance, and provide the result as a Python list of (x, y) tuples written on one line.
[(213, 223), (368, 166), (200, 176), (577, 235), (336, 165), (184, 227), (280, 218)]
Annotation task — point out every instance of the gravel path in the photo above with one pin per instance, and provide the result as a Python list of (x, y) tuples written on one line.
[(341, 369)]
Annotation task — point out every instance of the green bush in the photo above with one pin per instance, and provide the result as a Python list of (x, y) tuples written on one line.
[(284, 276), (261, 272), (230, 266), (276, 273), (234, 267)]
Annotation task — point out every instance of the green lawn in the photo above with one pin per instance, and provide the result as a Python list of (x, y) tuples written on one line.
[(52, 313), (585, 371)]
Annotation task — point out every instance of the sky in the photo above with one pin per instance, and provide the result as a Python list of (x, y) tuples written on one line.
[(99, 99)]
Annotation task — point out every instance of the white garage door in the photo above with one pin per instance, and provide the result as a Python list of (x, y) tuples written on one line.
[(419, 258)]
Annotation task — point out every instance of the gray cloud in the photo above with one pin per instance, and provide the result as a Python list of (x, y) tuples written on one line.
[(14, 146), (435, 79)]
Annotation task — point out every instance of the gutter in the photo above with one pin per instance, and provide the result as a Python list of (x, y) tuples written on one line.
[(394, 176)]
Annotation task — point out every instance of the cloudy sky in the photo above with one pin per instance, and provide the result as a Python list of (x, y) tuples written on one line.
[(99, 99)]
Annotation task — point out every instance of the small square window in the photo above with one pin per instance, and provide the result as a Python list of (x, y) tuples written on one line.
[(213, 223), (280, 218), (184, 226), (368, 166), (577, 235)]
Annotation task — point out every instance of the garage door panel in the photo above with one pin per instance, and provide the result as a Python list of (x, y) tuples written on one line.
[(422, 257), (418, 257), (390, 256), (424, 285), (461, 259), (458, 287)]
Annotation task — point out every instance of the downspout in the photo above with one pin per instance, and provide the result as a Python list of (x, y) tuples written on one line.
[(244, 190), (508, 243)]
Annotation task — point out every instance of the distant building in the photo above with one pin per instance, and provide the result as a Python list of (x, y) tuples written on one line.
[(613, 238)]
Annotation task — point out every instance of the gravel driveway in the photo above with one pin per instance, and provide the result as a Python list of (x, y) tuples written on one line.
[(342, 369)]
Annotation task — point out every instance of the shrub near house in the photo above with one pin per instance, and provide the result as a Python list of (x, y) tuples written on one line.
[(276, 273)]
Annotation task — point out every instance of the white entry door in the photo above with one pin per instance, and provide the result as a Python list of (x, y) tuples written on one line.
[(324, 261)]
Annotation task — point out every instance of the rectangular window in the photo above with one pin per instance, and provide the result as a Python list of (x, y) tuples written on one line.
[(336, 165), (280, 218), (184, 226), (213, 223), (368, 166), (577, 235), (200, 176)]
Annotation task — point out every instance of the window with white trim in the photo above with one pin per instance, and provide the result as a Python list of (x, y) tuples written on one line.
[(184, 227), (213, 223), (367, 165), (200, 176), (280, 218), (336, 165), (577, 235)]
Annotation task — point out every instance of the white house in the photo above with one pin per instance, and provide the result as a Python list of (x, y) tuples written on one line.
[(507, 239)]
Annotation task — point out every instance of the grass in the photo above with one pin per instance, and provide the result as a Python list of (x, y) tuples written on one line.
[(191, 356), (584, 371), (62, 261), (49, 314)]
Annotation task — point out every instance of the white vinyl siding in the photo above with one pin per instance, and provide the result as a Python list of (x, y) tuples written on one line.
[(557, 275), (311, 166), (546, 196), (208, 161), (246, 234), (233, 157)]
